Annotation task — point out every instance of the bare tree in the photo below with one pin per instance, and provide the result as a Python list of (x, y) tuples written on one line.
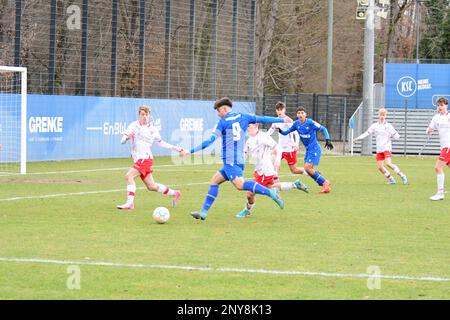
[(265, 26), (401, 26)]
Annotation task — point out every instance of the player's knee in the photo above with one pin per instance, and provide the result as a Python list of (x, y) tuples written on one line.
[(213, 181), (238, 184), (129, 177), (152, 186)]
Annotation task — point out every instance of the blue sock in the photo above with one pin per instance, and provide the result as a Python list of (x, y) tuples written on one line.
[(255, 187), (210, 196), (318, 178)]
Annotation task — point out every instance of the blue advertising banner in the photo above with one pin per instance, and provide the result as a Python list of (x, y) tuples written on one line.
[(416, 85), (72, 127)]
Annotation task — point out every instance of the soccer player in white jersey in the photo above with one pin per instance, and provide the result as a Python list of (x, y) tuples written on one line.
[(260, 147), (288, 144), (441, 123), (384, 133), (142, 135)]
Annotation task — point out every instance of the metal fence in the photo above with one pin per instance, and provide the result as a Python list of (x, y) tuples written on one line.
[(183, 49), (332, 111), (411, 124)]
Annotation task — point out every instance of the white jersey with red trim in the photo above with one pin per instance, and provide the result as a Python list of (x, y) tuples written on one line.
[(260, 148), (383, 134), (441, 123), (142, 138), (289, 142)]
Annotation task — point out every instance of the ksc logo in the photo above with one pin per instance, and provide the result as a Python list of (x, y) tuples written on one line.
[(406, 86)]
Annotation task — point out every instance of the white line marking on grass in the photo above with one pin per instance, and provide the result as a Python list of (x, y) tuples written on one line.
[(56, 195), (4, 174), (84, 193), (229, 270), (64, 172), (87, 193)]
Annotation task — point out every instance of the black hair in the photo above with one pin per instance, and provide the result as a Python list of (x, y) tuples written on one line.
[(225, 101), (300, 108)]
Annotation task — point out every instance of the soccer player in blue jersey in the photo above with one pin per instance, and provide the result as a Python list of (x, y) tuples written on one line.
[(232, 127), (307, 128)]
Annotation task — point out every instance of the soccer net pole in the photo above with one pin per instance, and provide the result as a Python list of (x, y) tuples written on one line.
[(13, 115), (351, 141), (353, 123)]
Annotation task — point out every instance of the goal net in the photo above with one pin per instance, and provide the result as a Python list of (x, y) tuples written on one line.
[(13, 130)]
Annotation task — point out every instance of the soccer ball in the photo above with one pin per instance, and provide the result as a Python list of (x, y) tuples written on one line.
[(161, 215)]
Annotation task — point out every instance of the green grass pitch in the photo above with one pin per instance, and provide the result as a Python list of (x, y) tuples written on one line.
[(319, 247)]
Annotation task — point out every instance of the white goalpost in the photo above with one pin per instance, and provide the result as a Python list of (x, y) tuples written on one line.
[(355, 125), (13, 119)]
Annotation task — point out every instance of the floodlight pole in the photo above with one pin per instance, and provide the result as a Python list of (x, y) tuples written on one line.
[(330, 49), (417, 29), (369, 53)]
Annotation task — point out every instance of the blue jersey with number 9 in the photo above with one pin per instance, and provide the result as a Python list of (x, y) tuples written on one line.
[(233, 128)]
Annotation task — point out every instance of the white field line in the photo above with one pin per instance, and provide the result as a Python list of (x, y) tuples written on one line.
[(6, 174), (97, 170), (84, 193), (229, 270), (162, 169)]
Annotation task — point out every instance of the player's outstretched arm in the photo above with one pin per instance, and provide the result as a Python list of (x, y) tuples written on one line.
[(264, 119), (165, 145), (204, 144), (124, 139), (361, 137), (286, 132)]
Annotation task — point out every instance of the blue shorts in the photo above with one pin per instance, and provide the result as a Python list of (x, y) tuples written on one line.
[(313, 156), (231, 172)]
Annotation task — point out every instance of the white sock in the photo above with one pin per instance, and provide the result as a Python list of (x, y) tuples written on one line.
[(131, 190), (440, 183), (397, 171), (165, 190), (249, 206), (286, 186)]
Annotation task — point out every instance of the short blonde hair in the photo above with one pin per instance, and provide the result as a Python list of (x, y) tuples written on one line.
[(382, 110), (144, 108)]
